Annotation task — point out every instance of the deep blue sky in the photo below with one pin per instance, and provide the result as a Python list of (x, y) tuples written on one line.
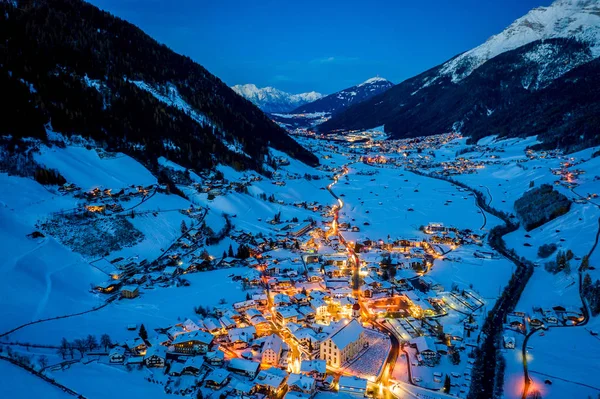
[(324, 45)]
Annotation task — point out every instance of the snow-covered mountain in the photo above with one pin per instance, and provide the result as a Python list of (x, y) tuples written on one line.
[(270, 99), (341, 100), (543, 58), (574, 19)]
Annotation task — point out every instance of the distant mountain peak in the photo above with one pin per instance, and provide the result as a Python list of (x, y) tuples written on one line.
[(341, 100), (375, 79), (270, 99)]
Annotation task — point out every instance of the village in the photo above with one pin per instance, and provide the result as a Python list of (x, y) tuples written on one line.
[(335, 301), (321, 312)]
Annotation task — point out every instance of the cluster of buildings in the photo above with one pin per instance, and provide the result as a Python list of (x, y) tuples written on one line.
[(265, 346)]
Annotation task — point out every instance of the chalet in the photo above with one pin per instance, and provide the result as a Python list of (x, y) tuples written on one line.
[(212, 326), (301, 383), (306, 314), (240, 338), (366, 291), (244, 367), (425, 347), (192, 342), (431, 284), (191, 366), (241, 388), (227, 323), (241, 306), (175, 331), (260, 299), (115, 274), (155, 356), (300, 298), (161, 339), (228, 262), (215, 358), (116, 355), (135, 361), (316, 368), (137, 346), (271, 381), (188, 325), (272, 270), (189, 268), (283, 283), (352, 385), (281, 300), (130, 291), (261, 324), (107, 287), (286, 314), (171, 271), (308, 337), (217, 379), (138, 278), (509, 342), (336, 260)]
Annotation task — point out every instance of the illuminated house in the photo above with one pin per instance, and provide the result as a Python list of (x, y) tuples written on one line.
[(192, 342), (272, 348), (352, 385), (155, 356), (315, 368), (301, 383), (286, 314), (271, 381)]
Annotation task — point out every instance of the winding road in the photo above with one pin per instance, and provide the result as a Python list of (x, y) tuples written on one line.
[(392, 357)]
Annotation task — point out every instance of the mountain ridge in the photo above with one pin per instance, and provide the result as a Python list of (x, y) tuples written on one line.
[(270, 99), (457, 94), (342, 99), (92, 74)]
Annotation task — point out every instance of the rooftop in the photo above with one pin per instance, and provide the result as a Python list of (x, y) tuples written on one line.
[(346, 334)]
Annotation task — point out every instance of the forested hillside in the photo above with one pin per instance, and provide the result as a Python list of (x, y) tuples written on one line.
[(69, 64), (544, 88)]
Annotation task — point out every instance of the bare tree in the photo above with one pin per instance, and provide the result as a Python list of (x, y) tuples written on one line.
[(105, 341), (91, 342), (80, 345), (63, 349), (43, 362)]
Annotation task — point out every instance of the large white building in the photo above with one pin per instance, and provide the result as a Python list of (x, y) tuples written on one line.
[(271, 351), (343, 344)]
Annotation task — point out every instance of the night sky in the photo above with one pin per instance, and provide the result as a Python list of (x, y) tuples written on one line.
[(324, 45)]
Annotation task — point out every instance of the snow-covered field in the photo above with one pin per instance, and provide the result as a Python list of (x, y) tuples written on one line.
[(155, 308), (386, 202), (24, 385)]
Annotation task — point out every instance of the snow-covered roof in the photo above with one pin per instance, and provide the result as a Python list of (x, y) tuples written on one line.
[(286, 311), (242, 334), (272, 377), (352, 383), (424, 344), (199, 336), (189, 325), (157, 350), (346, 334), (244, 365), (274, 343), (303, 382), (218, 376), (318, 365)]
